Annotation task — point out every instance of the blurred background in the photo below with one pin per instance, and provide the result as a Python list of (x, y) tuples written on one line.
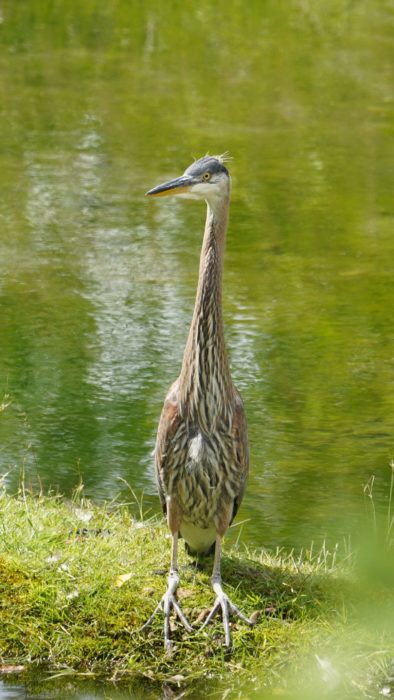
[(99, 101)]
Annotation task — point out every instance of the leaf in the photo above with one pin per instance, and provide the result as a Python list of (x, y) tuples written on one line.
[(122, 578)]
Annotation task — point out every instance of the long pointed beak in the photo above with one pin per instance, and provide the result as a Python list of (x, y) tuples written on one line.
[(176, 186)]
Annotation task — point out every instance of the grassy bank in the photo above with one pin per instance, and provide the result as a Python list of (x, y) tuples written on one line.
[(77, 581)]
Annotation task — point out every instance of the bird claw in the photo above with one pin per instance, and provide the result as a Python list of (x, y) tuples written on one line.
[(167, 603), (228, 608)]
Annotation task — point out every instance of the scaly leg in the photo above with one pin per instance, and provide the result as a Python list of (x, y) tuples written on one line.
[(169, 600), (222, 600)]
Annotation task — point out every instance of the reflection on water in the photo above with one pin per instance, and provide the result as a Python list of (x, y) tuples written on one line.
[(98, 284)]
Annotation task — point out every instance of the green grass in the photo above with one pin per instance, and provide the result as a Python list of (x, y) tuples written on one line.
[(62, 607)]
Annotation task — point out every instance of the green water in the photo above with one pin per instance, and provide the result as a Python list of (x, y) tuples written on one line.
[(101, 101)]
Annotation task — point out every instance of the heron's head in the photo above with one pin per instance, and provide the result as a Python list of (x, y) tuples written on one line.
[(207, 178)]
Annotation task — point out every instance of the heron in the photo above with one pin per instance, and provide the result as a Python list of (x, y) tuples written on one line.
[(202, 453)]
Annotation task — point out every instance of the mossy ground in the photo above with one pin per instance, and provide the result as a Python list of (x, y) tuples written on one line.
[(77, 582)]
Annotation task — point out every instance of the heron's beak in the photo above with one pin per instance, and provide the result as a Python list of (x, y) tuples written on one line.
[(177, 186)]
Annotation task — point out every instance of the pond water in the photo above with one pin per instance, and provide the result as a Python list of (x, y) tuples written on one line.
[(86, 691), (97, 284), (100, 102)]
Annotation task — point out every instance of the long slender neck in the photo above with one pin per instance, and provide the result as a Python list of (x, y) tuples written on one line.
[(205, 381)]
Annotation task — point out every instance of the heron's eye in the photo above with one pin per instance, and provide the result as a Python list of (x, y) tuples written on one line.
[(206, 176)]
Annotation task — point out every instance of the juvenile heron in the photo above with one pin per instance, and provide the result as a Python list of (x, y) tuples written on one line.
[(201, 454)]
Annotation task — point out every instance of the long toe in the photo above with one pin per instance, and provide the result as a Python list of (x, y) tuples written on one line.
[(167, 604), (227, 608)]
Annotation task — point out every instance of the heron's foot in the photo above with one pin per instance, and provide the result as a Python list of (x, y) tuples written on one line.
[(167, 603), (228, 608)]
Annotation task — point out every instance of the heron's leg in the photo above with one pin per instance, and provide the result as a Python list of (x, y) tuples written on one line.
[(222, 601), (169, 600)]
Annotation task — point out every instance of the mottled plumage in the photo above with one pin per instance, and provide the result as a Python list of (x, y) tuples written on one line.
[(201, 454), (202, 469)]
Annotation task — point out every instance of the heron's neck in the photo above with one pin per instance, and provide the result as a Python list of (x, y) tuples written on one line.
[(205, 380)]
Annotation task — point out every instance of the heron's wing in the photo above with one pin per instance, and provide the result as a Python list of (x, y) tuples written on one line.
[(240, 435), (168, 426)]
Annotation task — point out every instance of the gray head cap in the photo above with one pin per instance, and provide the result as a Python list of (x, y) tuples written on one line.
[(212, 164)]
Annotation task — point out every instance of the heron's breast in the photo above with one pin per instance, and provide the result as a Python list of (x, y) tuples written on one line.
[(197, 451), (203, 478)]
